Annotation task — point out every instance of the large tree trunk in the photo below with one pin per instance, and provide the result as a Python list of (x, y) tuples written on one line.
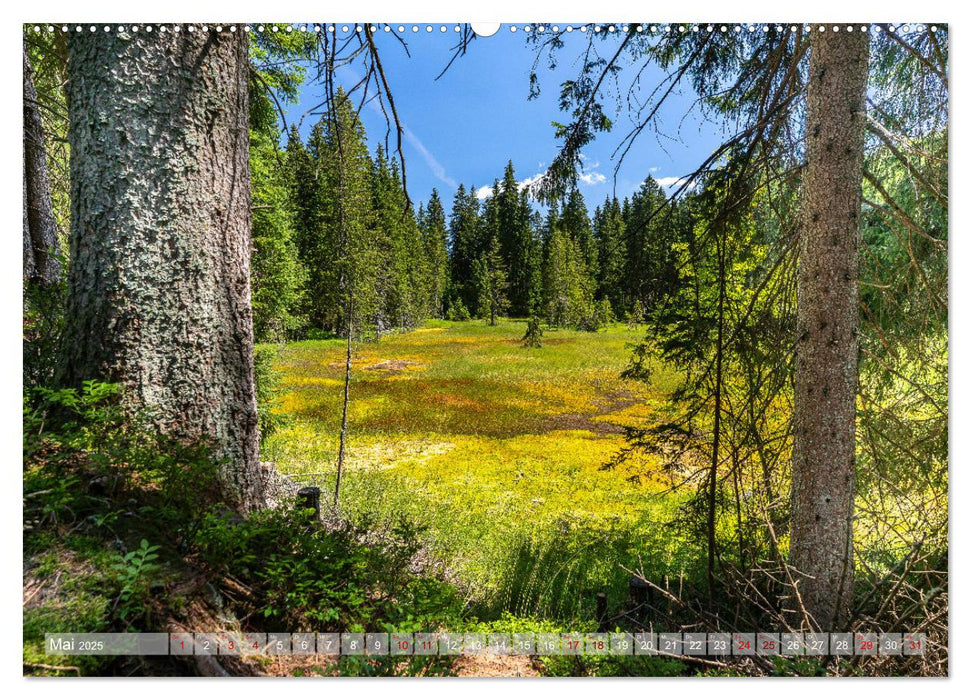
[(824, 420), (40, 230), (159, 295)]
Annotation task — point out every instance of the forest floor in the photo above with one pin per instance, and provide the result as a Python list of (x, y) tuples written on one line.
[(496, 452)]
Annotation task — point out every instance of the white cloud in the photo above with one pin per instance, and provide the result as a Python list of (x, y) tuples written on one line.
[(587, 163), (672, 182), (669, 181), (593, 178), (655, 168), (485, 191), (529, 181)]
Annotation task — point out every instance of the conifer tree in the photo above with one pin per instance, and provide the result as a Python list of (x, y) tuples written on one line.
[(514, 215), (464, 247), (276, 273), (301, 174), (416, 265), (491, 281), (159, 287), (434, 242), (346, 245), (828, 327), (490, 236), (648, 245), (567, 290), (576, 221), (315, 216), (400, 282), (609, 233)]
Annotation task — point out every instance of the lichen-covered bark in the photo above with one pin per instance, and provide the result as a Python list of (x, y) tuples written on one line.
[(824, 419), (40, 230), (159, 295)]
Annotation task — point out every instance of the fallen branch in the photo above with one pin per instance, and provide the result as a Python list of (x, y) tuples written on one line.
[(48, 667)]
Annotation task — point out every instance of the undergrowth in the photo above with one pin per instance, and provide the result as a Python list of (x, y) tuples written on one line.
[(126, 530)]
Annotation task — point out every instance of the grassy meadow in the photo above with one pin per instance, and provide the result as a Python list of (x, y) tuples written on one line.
[(495, 452)]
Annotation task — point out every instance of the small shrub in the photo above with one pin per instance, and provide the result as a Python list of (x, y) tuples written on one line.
[(599, 314), (636, 315), (458, 312)]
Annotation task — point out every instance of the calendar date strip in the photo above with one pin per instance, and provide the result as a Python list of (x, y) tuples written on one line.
[(674, 644)]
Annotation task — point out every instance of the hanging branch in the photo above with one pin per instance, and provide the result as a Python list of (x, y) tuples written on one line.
[(877, 128), (394, 111), (465, 38), (914, 52)]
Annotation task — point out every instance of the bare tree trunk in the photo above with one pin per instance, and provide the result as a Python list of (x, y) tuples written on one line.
[(159, 293), (347, 392), (716, 429), (40, 230), (824, 419)]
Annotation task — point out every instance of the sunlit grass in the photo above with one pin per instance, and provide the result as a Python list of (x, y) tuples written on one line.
[(497, 449)]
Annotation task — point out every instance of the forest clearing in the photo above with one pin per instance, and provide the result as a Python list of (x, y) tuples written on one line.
[(498, 449)]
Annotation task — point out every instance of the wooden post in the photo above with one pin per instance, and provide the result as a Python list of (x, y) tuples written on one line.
[(309, 497), (601, 612)]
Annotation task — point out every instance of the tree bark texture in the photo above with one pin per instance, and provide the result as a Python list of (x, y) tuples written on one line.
[(159, 291), (40, 230), (824, 417)]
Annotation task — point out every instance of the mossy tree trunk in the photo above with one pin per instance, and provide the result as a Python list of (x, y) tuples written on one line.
[(824, 418), (40, 231), (159, 291)]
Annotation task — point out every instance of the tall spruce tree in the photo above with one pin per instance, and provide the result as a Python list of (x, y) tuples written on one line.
[(576, 221), (491, 281), (317, 242), (609, 235), (489, 244), (514, 215), (464, 248), (277, 275), (648, 245), (159, 281), (396, 283), (435, 244), (828, 327), (350, 241), (41, 246), (567, 288)]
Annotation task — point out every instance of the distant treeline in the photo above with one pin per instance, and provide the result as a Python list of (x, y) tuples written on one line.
[(335, 244)]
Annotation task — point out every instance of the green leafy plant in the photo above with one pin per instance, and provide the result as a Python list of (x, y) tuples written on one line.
[(132, 571)]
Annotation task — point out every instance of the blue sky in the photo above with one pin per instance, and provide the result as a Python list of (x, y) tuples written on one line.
[(464, 127)]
